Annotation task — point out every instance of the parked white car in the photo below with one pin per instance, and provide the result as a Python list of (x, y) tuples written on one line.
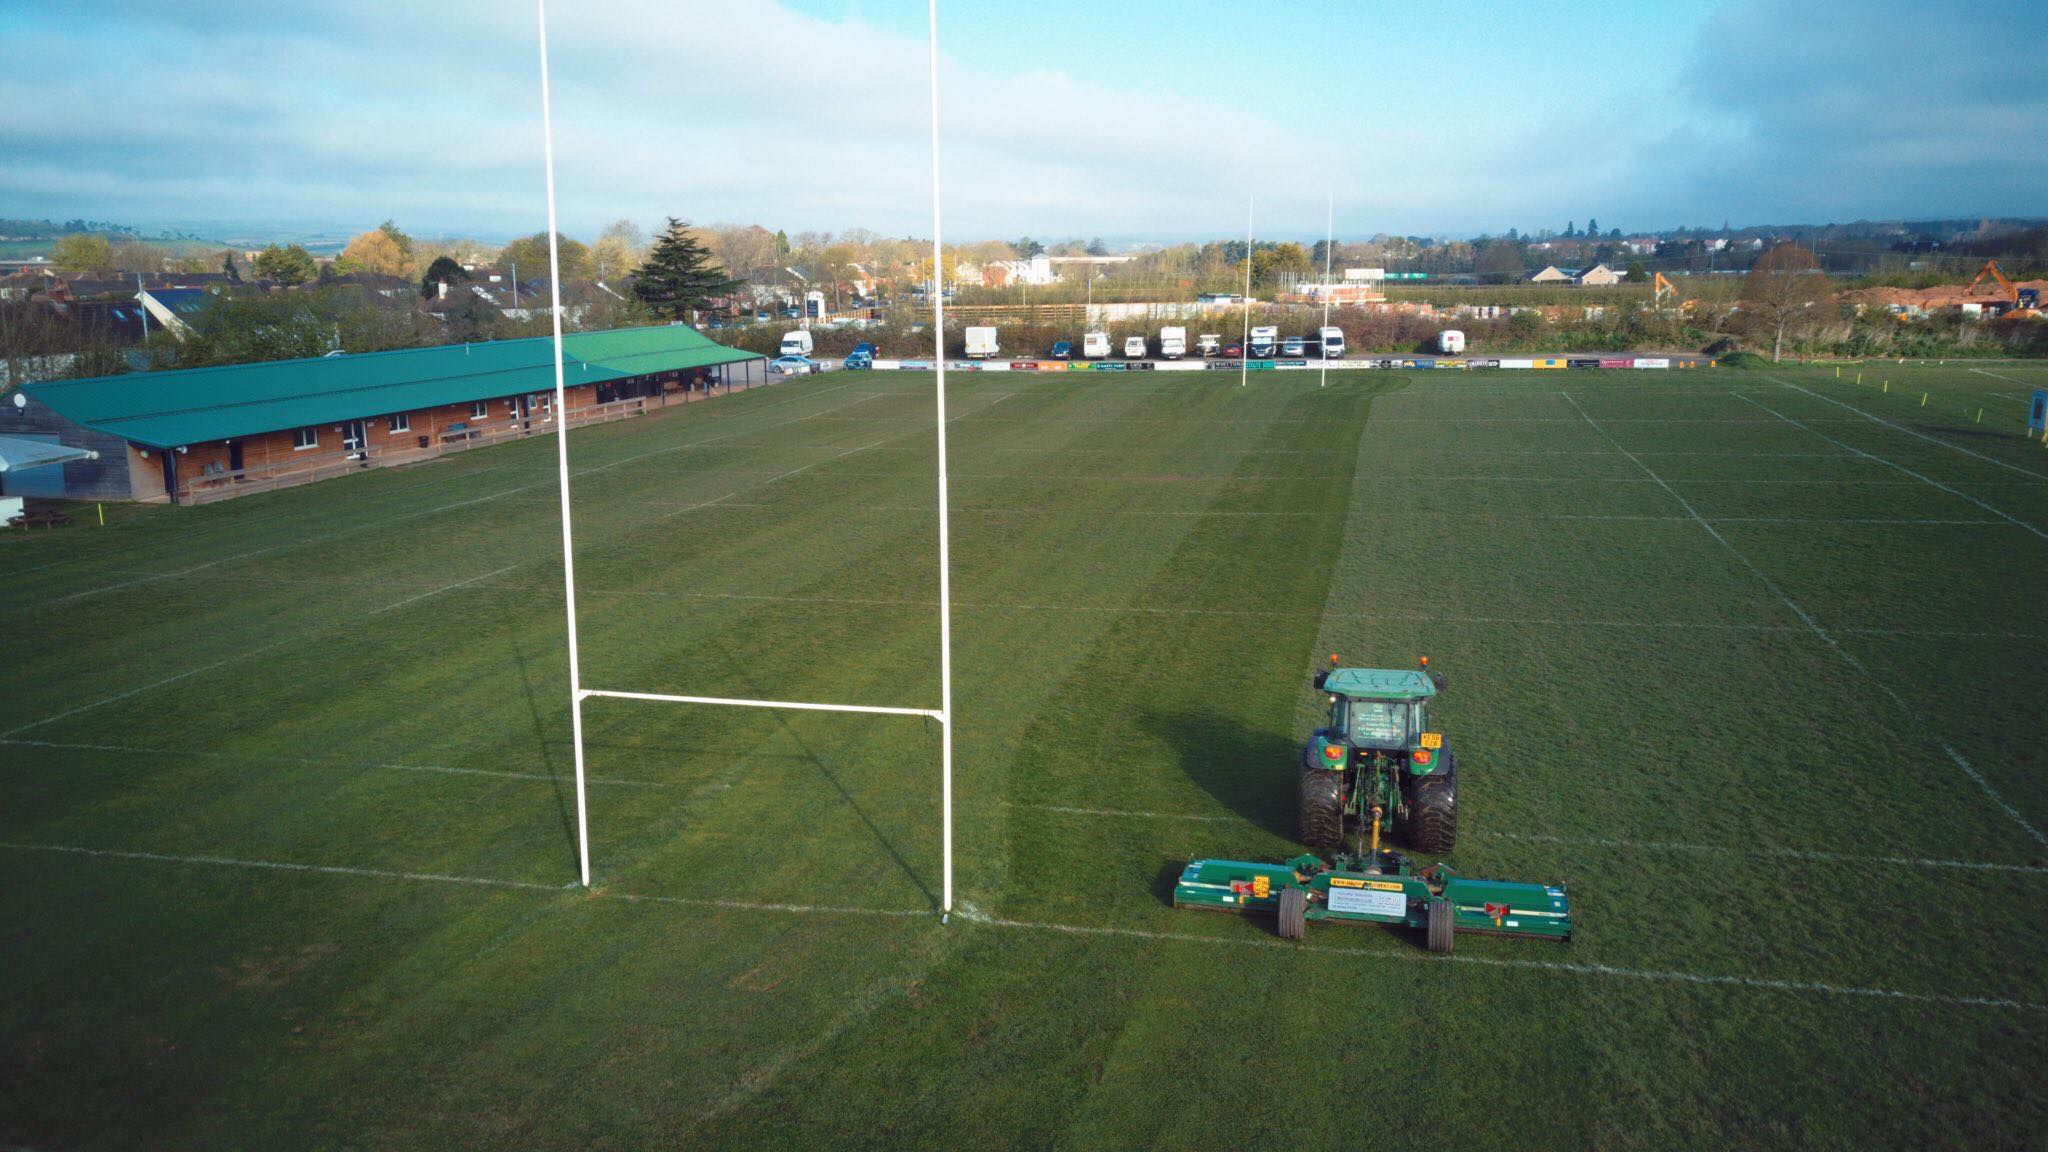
[(1134, 347)]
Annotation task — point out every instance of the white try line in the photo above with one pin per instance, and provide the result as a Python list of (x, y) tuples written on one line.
[(1936, 484), (1921, 435), (186, 755), (1846, 656), (801, 706), (245, 653), (972, 915)]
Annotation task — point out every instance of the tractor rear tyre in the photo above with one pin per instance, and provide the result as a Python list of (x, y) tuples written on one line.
[(1293, 913), (1439, 924), (1322, 810), (1433, 816)]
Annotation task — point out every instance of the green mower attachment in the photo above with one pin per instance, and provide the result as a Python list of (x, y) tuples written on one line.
[(1391, 890)]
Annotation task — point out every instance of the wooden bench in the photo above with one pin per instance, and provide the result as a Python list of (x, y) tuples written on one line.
[(28, 520)]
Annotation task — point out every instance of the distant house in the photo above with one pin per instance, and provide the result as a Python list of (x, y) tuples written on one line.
[(175, 309), (1552, 274), (1598, 276)]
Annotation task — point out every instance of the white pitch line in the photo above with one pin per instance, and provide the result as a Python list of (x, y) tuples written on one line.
[(277, 866), (1936, 484), (244, 654), (345, 765), (151, 579), (1921, 435), (1421, 618), (2003, 376), (471, 881), (1777, 853), (1847, 657), (1628, 845), (976, 916)]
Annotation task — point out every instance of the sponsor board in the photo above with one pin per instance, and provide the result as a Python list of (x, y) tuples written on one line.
[(1180, 366), (1617, 362), (1221, 365), (1482, 363), (915, 365), (1518, 363), (1650, 362), (1023, 365), (1548, 362), (889, 365), (1583, 362)]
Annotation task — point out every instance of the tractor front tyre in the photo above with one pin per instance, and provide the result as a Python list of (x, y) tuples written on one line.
[(1433, 816), (1439, 924), (1293, 913), (1322, 810)]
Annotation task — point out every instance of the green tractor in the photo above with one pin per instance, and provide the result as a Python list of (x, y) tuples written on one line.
[(1377, 766)]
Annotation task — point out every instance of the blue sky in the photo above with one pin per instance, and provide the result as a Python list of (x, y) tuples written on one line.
[(1135, 120)]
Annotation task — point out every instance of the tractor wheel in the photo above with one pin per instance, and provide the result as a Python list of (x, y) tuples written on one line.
[(1293, 913), (1439, 926), (1433, 816), (1322, 810)]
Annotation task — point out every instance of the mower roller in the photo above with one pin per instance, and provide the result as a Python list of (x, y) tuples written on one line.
[(1375, 766)]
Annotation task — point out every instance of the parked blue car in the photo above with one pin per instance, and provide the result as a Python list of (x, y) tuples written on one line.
[(1063, 350), (862, 356)]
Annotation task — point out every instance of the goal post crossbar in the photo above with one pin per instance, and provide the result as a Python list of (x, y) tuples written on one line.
[(798, 705)]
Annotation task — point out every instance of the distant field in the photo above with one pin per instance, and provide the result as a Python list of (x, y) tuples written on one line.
[(1750, 660)]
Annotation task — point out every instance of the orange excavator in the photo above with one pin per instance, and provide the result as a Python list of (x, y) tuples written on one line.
[(2018, 301)]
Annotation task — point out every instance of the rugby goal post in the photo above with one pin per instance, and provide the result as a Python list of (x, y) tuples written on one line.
[(577, 692)]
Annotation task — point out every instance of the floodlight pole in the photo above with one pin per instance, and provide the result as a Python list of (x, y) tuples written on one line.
[(1244, 347), (547, 136), (945, 554), (1329, 247)]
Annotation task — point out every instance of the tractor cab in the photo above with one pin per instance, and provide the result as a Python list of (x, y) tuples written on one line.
[(1377, 709)]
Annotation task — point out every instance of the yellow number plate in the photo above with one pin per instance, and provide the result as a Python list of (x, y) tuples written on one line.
[(1432, 739)]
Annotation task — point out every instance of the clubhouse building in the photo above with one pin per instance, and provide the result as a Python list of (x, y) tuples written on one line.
[(201, 434)]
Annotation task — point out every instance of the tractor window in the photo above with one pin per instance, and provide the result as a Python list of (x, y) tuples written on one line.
[(1378, 723)]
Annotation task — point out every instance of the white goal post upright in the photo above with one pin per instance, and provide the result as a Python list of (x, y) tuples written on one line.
[(945, 551), (1329, 249), (577, 692), (1244, 350), (547, 136)]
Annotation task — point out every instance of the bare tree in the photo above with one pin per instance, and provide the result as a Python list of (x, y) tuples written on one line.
[(1786, 291)]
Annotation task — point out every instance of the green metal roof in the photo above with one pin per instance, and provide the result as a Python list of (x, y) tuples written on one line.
[(194, 405), (1379, 684)]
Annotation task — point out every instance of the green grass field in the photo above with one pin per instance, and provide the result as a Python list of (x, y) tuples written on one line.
[(1750, 660)]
